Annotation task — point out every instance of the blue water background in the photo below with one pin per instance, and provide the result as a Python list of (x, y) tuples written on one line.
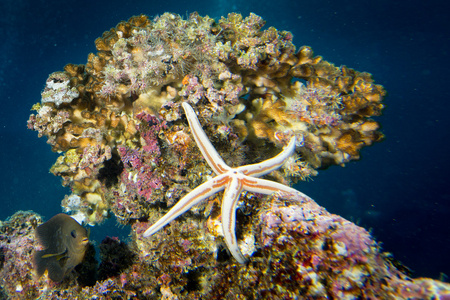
[(399, 189)]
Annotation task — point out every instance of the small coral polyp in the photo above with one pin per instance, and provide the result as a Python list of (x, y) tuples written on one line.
[(125, 145)]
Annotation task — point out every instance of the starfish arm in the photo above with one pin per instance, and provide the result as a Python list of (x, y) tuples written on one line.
[(209, 152), (194, 197), (264, 186), (271, 164), (229, 203)]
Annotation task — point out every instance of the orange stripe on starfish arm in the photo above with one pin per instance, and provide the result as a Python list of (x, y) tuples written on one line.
[(222, 182)]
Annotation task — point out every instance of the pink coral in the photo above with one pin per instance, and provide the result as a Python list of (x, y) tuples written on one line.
[(143, 182), (130, 157), (329, 257), (139, 174)]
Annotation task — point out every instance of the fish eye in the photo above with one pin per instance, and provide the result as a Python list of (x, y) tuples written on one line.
[(73, 234)]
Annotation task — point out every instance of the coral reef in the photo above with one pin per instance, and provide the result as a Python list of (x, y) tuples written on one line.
[(299, 251), (17, 242), (126, 149), (117, 122)]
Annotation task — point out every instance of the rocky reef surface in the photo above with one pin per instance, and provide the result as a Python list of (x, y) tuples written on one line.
[(298, 251)]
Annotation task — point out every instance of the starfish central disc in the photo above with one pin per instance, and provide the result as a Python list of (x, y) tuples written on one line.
[(232, 180)]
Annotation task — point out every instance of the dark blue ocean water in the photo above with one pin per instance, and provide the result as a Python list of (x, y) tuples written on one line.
[(400, 187)]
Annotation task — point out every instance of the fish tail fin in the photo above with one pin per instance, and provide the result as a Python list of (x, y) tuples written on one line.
[(43, 261), (39, 263), (55, 272)]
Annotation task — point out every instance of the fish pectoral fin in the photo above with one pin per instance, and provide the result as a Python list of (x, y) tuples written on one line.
[(58, 256)]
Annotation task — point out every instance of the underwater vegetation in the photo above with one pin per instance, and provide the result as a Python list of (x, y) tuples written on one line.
[(127, 149)]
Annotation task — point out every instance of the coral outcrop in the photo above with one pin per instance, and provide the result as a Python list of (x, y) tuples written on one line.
[(127, 150), (125, 145), (299, 251)]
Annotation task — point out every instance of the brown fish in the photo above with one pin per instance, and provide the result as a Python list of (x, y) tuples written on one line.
[(64, 241)]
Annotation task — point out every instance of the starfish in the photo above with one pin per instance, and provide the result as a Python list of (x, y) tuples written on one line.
[(232, 180)]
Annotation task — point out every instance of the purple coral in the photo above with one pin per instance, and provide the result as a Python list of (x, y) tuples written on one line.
[(139, 175), (328, 256), (130, 157), (143, 182)]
